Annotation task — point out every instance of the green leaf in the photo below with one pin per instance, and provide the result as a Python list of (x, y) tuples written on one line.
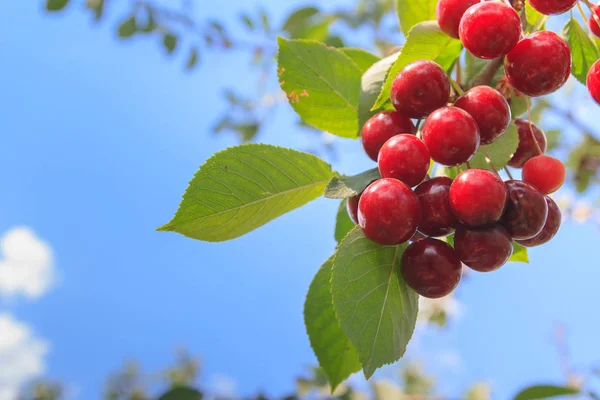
[(411, 12), (518, 105), (425, 41), (545, 392), (342, 187), (374, 306), (307, 23), (361, 57), (343, 223), (322, 85), (500, 152), (247, 21), (170, 42), (182, 393), (370, 87), (127, 28), (192, 59), (56, 5), (520, 254), (334, 351), (583, 49), (298, 19), (532, 15), (244, 187)]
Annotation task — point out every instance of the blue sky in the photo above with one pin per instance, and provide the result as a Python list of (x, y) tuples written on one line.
[(100, 139)]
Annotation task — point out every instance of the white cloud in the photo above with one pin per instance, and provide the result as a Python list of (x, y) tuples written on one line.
[(222, 386), (26, 266)]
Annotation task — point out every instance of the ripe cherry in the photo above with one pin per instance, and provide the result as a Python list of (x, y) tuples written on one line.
[(431, 268), (352, 208), (526, 210), (527, 147), (539, 64), (550, 228), (406, 158), (489, 109), (388, 212), (490, 29), (593, 81), (449, 14), (420, 88), (545, 173), (593, 23), (382, 127), (483, 249), (437, 217), (552, 7), (451, 135), (478, 197)]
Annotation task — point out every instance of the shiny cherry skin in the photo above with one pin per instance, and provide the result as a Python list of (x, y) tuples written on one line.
[(382, 127), (489, 109), (490, 29), (451, 136), (550, 228), (552, 7), (431, 268), (437, 217), (406, 158), (593, 81), (478, 197), (592, 23), (527, 148), (388, 212), (526, 210), (420, 88), (352, 208), (539, 64), (545, 173), (449, 14), (483, 249)]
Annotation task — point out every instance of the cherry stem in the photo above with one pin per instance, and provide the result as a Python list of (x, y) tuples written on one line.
[(591, 7), (487, 74), (508, 173), (418, 124), (456, 87), (537, 145), (468, 165), (540, 23), (458, 72), (489, 160), (582, 13)]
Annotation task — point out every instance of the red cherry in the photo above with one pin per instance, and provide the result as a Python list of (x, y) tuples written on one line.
[(593, 81), (545, 173), (526, 210), (527, 148), (478, 197), (404, 157), (489, 109), (388, 212), (539, 64), (592, 23), (552, 7), (490, 29), (420, 88), (483, 249), (449, 13), (437, 217), (352, 208), (550, 228), (382, 127), (431, 268), (451, 136)]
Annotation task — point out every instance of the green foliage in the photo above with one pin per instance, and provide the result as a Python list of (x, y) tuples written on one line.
[(545, 392), (170, 42), (182, 393), (244, 187), (192, 59), (307, 23), (375, 308), (361, 57), (370, 88), (343, 223), (342, 187), (518, 105), (520, 254), (412, 12), (128, 28), (499, 152), (56, 5), (322, 85), (532, 16), (583, 49)]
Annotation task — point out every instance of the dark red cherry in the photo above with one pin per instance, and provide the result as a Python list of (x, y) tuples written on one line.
[(490, 29), (483, 249), (552, 7), (489, 109), (449, 14), (437, 217), (352, 208), (388, 212), (545, 173), (593, 81), (478, 197), (527, 148), (420, 88), (550, 228), (526, 210), (593, 22), (404, 157), (431, 268), (451, 135), (539, 64), (382, 127)]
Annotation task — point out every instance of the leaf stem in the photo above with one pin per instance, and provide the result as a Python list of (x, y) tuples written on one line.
[(456, 87)]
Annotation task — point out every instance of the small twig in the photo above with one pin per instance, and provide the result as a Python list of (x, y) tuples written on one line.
[(456, 87), (487, 74), (537, 145), (508, 173)]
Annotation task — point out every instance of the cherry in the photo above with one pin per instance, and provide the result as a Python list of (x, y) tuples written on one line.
[(406, 158), (483, 249), (527, 147), (381, 127), (449, 13), (420, 88), (489, 109), (490, 29), (550, 228), (478, 197), (539, 64), (526, 210), (592, 23), (352, 208), (388, 212), (593, 81), (545, 173), (434, 196), (431, 268), (451, 135), (552, 7)]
